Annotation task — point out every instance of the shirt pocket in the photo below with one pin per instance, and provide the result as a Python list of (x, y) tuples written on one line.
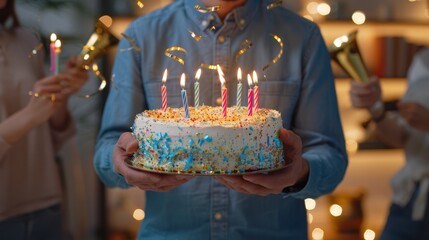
[(279, 95), (152, 90)]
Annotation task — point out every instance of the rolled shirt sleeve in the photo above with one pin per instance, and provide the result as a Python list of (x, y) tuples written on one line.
[(318, 123), (125, 99)]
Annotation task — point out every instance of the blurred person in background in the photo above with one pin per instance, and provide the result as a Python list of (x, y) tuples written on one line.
[(34, 122), (407, 128)]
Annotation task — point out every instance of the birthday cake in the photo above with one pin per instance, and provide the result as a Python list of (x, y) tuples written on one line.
[(207, 142)]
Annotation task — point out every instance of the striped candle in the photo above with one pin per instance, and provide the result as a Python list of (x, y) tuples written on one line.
[(239, 87), (164, 91), (255, 91), (224, 101), (249, 96), (183, 93), (224, 91), (197, 88)]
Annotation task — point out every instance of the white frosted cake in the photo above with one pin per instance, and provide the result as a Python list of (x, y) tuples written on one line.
[(207, 143)]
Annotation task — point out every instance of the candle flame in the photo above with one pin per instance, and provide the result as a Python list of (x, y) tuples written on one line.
[(249, 80), (220, 72), (53, 37), (58, 43), (239, 75), (198, 74), (255, 77), (164, 77), (182, 80)]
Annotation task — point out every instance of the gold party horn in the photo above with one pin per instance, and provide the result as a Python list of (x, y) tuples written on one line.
[(345, 52), (98, 43)]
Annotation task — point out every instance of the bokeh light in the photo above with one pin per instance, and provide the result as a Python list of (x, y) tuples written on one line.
[(324, 9), (138, 214), (310, 204), (369, 235), (336, 210), (359, 17), (310, 218), (317, 234)]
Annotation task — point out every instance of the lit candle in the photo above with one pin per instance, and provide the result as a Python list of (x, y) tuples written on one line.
[(164, 91), (52, 51), (224, 91), (239, 87), (57, 56), (249, 96), (183, 93), (255, 91), (197, 88)]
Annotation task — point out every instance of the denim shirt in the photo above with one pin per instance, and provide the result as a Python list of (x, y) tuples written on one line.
[(300, 85)]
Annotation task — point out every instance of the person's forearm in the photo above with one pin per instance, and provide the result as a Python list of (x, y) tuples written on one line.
[(61, 117), (17, 125), (391, 131)]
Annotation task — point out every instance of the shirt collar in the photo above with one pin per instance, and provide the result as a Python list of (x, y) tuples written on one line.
[(241, 15)]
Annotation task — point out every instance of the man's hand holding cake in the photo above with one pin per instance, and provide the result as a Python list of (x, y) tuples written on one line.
[(292, 178), (124, 149)]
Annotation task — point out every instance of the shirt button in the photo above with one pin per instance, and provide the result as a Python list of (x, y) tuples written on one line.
[(218, 216), (218, 101), (221, 39)]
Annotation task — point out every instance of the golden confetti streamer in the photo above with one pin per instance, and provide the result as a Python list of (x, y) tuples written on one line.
[(279, 40), (195, 36), (274, 5), (212, 28), (208, 9), (132, 42), (35, 50), (208, 66), (175, 48), (140, 4), (244, 46), (103, 82)]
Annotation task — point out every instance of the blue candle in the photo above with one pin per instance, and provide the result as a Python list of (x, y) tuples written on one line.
[(184, 98)]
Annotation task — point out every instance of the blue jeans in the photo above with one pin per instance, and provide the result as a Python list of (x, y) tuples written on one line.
[(44, 224), (400, 226)]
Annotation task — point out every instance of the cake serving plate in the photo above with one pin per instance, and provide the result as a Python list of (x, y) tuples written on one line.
[(129, 163)]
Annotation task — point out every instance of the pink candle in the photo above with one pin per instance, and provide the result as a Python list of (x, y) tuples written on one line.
[(224, 101), (224, 91), (255, 91), (52, 51), (249, 96), (164, 91)]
